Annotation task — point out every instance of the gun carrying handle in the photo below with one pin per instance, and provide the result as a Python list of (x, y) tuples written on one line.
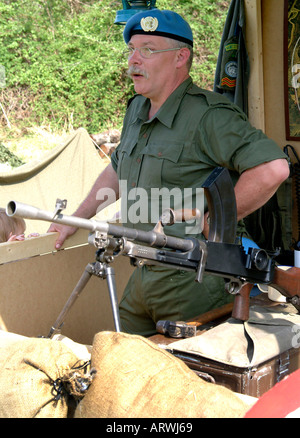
[(242, 302), (170, 216)]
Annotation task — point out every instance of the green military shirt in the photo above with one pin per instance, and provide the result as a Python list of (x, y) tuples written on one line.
[(193, 132)]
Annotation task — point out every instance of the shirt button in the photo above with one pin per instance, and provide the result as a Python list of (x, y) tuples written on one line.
[(133, 184), (138, 160), (145, 135), (159, 154)]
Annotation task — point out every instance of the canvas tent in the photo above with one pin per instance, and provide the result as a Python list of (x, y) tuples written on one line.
[(66, 172)]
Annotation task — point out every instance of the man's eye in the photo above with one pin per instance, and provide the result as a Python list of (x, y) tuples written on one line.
[(145, 51)]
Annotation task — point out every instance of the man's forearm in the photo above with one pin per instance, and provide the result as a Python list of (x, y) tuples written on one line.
[(257, 185), (106, 181)]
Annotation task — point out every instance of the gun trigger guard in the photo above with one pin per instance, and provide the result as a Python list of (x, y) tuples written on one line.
[(234, 285)]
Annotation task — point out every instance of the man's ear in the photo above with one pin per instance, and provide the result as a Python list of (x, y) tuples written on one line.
[(182, 56)]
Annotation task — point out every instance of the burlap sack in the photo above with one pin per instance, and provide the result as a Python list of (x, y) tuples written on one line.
[(36, 379), (136, 378)]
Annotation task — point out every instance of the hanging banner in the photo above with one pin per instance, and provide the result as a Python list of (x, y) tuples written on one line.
[(292, 68)]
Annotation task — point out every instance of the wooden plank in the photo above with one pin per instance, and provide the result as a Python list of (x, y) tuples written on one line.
[(254, 47), (44, 244)]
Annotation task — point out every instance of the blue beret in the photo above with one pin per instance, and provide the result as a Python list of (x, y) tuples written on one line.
[(159, 22)]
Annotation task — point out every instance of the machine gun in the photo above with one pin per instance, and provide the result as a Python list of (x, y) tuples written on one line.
[(219, 255)]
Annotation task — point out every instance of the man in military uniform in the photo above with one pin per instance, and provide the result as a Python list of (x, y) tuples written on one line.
[(174, 135)]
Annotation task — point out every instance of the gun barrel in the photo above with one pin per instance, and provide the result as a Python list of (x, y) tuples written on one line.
[(29, 212), (151, 238)]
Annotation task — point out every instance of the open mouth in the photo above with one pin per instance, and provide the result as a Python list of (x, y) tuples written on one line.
[(135, 73)]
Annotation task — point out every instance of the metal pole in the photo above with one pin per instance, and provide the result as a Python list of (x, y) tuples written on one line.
[(111, 283), (73, 297)]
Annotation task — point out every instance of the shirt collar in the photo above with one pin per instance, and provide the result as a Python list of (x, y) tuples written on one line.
[(168, 111)]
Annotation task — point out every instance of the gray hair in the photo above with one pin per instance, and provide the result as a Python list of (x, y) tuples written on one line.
[(182, 45)]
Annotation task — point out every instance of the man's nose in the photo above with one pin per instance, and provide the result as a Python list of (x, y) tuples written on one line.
[(135, 56)]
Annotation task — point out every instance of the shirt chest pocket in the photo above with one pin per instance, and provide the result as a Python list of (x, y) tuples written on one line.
[(125, 161), (161, 165)]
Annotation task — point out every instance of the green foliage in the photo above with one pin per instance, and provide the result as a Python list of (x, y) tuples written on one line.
[(6, 156), (64, 65)]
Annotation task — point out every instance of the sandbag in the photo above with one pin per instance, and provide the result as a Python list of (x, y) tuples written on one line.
[(136, 378), (39, 378)]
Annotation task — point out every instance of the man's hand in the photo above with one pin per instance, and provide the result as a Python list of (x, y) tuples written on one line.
[(64, 231)]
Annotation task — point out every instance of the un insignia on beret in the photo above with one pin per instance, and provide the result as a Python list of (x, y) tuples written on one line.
[(149, 24)]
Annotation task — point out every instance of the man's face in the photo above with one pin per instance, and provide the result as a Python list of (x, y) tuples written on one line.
[(154, 75)]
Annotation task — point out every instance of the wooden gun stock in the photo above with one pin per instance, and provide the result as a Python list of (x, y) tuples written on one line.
[(287, 282)]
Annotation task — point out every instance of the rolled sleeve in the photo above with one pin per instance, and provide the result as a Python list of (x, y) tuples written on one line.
[(233, 142)]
